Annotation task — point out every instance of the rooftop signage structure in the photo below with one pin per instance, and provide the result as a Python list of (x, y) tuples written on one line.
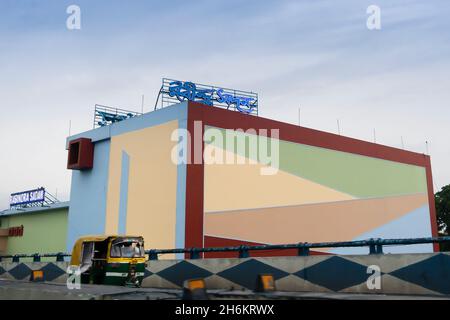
[(174, 91), (105, 115), (27, 198), (31, 198)]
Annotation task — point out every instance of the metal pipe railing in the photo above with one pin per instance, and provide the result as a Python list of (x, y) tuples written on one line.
[(36, 256), (303, 248)]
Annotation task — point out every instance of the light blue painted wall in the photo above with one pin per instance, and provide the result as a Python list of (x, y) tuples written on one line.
[(176, 111), (180, 225), (88, 197), (147, 120), (123, 205), (415, 224)]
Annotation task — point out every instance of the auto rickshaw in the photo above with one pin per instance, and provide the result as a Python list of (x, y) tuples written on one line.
[(110, 259)]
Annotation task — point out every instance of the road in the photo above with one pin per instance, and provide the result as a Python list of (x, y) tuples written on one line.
[(20, 290)]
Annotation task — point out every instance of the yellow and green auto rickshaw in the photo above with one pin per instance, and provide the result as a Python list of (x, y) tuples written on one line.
[(110, 259)]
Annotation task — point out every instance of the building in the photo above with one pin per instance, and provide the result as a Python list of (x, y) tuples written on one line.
[(145, 176), (34, 230)]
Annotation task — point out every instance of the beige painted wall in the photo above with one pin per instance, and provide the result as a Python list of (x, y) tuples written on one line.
[(152, 185)]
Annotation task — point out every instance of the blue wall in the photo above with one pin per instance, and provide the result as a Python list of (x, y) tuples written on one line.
[(88, 197)]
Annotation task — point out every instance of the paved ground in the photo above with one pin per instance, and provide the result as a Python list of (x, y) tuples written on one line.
[(10, 290)]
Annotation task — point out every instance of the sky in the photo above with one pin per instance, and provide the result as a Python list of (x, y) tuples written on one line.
[(318, 56)]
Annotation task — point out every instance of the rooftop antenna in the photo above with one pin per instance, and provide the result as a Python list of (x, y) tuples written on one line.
[(70, 127), (435, 184), (339, 126), (299, 116), (403, 144), (426, 148), (374, 136)]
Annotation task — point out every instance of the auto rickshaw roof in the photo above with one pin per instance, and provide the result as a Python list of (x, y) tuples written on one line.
[(103, 237), (76, 251)]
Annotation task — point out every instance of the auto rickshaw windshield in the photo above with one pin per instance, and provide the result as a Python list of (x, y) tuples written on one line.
[(127, 248)]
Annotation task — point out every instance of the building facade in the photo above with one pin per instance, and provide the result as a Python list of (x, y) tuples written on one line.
[(34, 230), (147, 176)]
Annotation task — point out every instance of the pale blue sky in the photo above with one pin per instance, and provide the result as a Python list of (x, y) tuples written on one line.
[(315, 54)]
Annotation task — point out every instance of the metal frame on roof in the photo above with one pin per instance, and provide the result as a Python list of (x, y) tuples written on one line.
[(239, 100)]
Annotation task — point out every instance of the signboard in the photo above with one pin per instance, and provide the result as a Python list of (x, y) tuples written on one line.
[(174, 91), (15, 231), (20, 199)]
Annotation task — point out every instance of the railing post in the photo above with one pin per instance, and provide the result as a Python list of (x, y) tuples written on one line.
[(152, 255), (15, 258), (303, 251), (243, 252), (379, 249), (194, 254), (36, 257), (375, 247), (59, 257)]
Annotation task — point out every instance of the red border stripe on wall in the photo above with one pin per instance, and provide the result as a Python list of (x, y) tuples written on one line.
[(226, 119)]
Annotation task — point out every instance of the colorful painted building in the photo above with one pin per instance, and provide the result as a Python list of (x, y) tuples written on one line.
[(34, 230), (146, 176)]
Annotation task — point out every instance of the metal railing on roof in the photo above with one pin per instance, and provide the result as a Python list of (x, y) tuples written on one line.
[(106, 115)]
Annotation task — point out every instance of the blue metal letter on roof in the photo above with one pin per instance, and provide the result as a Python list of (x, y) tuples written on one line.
[(175, 90)]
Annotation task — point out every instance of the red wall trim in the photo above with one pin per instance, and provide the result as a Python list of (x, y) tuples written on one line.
[(194, 189), (222, 242), (234, 120)]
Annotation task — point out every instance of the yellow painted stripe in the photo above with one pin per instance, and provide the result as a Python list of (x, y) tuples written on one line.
[(242, 186)]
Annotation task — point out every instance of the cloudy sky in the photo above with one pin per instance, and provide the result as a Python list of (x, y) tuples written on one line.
[(316, 55)]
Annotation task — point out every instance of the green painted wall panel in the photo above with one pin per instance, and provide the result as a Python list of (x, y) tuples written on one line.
[(359, 176), (44, 232)]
